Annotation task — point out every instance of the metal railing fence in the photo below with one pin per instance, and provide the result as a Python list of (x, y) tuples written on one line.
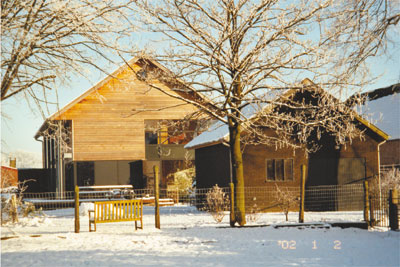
[(379, 209), (257, 199)]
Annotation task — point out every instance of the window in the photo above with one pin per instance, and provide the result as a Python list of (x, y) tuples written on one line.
[(151, 138), (279, 169)]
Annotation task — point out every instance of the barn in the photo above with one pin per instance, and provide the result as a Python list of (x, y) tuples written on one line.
[(266, 166)]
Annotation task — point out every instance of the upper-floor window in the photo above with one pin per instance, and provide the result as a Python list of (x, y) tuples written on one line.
[(165, 137), (279, 169), (151, 138)]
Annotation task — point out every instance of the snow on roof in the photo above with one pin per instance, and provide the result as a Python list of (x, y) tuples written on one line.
[(219, 131), (385, 114)]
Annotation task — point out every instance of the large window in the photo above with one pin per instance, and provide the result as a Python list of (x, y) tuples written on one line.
[(279, 169)]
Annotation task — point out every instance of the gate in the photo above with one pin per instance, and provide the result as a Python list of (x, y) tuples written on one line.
[(379, 209)]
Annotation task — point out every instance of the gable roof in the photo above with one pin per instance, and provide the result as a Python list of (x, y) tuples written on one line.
[(107, 79), (219, 131)]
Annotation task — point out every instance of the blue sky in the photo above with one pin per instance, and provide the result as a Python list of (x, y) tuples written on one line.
[(18, 129)]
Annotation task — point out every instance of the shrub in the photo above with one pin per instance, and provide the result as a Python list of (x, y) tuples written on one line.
[(254, 213), (286, 199), (390, 179), (217, 203), (12, 205), (182, 182)]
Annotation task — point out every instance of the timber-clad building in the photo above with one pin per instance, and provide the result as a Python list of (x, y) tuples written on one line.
[(114, 133)]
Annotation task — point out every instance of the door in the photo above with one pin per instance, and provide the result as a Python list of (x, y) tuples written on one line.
[(85, 173), (136, 174)]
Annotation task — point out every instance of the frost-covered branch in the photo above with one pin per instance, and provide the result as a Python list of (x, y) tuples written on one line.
[(250, 60), (44, 41)]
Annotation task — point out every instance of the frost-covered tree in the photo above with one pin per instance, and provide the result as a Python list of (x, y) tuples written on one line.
[(44, 41), (286, 199), (242, 54), (217, 203)]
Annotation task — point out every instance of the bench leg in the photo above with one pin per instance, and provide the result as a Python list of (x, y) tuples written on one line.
[(141, 224), (90, 226), (92, 222)]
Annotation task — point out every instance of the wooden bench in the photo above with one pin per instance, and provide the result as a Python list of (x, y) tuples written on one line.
[(116, 211)]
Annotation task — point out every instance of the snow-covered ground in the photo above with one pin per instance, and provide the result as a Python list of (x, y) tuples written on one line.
[(192, 238)]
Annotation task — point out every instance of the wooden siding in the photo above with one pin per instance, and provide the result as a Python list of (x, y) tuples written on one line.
[(254, 165), (390, 152), (367, 149), (212, 166), (108, 123)]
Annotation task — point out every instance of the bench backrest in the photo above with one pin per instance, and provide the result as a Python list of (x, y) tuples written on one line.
[(119, 210)]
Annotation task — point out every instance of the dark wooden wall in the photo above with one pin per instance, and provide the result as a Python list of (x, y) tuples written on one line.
[(41, 180), (212, 166), (390, 152)]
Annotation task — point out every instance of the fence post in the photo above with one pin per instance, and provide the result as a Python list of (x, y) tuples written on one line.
[(232, 208), (156, 197), (393, 210), (366, 203), (302, 193), (77, 225)]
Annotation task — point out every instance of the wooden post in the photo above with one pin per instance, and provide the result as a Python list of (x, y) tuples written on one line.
[(302, 193), (366, 203), (232, 209), (393, 210), (156, 197), (77, 225)]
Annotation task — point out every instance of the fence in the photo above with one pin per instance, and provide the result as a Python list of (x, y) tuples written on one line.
[(55, 200), (50, 200), (385, 168), (257, 199), (379, 209), (335, 198)]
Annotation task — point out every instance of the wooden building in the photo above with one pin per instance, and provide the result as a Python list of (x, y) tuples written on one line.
[(264, 166), (390, 154), (115, 132)]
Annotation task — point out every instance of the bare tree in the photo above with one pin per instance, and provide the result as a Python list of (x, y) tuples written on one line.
[(45, 41), (373, 18), (286, 199), (247, 55)]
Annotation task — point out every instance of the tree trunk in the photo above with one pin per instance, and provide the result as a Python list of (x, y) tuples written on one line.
[(237, 173)]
